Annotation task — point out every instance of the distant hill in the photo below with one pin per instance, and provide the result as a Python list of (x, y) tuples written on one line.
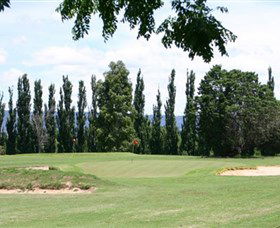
[(179, 120)]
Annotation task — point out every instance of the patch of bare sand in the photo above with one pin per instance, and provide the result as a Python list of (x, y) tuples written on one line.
[(259, 171), (38, 168), (47, 191)]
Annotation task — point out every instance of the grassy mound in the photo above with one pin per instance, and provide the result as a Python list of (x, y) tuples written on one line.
[(54, 179)]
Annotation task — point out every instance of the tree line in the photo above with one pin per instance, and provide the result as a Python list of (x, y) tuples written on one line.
[(233, 114)]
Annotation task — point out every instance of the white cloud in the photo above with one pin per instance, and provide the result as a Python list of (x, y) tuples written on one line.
[(9, 79), (20, 40), (256, 48), (10, 76), (2, 56), (81, 63), (61, 56)]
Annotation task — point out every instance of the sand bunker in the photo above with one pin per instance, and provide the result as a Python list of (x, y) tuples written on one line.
[(39, 168), (47, 191), (259, 171)]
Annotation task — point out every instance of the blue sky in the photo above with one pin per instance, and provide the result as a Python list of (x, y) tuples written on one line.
[(33, 40)]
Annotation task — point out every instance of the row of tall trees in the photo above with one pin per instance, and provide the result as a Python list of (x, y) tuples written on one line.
[(232, 115)]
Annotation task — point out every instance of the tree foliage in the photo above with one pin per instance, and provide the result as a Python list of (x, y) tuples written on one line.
[(172, 137), (140, 123), (115, 119), (24, 127), (66, 118), (38, 99), (156, 143), (2, 132), (50, 121), (37, 118), (3, 4), (232, 115), (236, 112), (188, 132), (193, 28), (92, 131), (270, 82), (2, 111), (11, 126), (81, 118)]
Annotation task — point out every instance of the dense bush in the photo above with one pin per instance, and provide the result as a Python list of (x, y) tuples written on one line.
[(236, 113)]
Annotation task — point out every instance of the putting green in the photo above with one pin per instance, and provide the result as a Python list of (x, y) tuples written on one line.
[(143, 168)]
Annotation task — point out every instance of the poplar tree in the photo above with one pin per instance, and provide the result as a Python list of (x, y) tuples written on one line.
[(38, 100), (50, 122), (147, 134), (139, 122), (2, 111), (270, 82), (2, 114), (92, 131), (11, 126), (156, 142), (115, 120), (172, 137), (61, 119), (188, 133), (37, 118), (81, 118), (24, 127), (66, 118)]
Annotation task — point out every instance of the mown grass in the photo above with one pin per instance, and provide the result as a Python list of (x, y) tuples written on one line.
[(147, 191), (27, 179)]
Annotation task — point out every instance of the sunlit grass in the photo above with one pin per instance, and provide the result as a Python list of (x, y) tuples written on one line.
[(143, 190)]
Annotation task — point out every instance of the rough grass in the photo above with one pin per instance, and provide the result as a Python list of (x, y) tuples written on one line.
[(26, 179), (148, 191)]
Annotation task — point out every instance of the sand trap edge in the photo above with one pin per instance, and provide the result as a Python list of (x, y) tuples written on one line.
[(47, 191), (251, 171)]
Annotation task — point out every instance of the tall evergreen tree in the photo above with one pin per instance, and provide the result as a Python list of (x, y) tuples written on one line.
[(2, 111), (66, 118), (92, 131), (11, 126), (188, 133), (37, 118), (270, 82), (38, 100), (147, 134), (50, 122), (81, 118), (172, 137), (139, 122), (156, 142), (212, 118), (24, 127), (2, 132), (61, 120), (115, 120)]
